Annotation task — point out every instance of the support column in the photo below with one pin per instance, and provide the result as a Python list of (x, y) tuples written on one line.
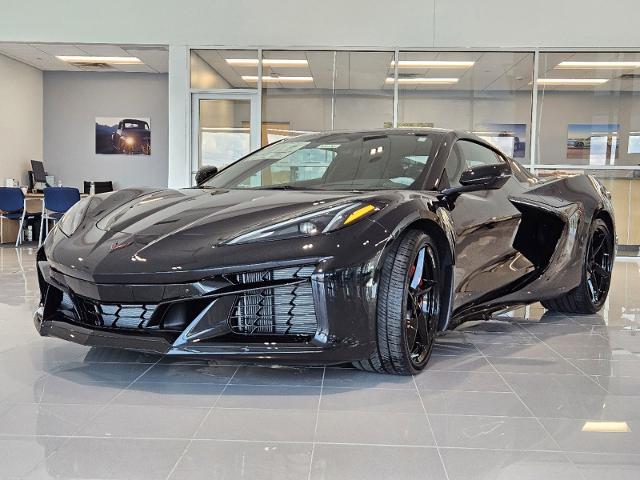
[(179, 114)]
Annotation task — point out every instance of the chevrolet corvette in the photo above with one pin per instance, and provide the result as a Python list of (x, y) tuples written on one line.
[(327, 248)]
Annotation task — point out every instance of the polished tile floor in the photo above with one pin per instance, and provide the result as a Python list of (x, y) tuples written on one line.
[(527, 396)]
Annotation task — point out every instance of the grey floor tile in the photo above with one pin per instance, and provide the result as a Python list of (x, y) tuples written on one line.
[(374, 428), (613, 368), (170, 394), (82, 372), (501, 433), (211, 459), (259, 424), (363, 462), (536, 350), (599, 466), (552, 384), (533, 365), (111, 458), (371, 400), (619, 385), (466, 363), (464, 381), (286, 376), (350, 377), (270, 397), (19, 455), (455, 402), (479, 464), (136, 421), (57, 390), (45, 419), (189, 374), (572, 436)]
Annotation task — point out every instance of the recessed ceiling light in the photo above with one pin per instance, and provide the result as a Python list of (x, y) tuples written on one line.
[(91, 59), (424, 81), (606, 427), (594, 65), (281, 79), (433, 64), (571, 81), (267, 62)]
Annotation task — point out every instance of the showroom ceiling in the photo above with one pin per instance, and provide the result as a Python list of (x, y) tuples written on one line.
[(152, 59)]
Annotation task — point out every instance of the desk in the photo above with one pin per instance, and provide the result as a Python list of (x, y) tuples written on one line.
[(34, 205)]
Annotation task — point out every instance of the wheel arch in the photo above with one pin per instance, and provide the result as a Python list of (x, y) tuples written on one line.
[(444, 242)]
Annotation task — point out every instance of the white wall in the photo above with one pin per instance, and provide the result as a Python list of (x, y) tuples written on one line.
[(72, 101), (404, 23), (20, 119)]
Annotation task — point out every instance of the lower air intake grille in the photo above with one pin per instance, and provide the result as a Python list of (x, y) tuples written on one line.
[(278, 310), (113, 315)]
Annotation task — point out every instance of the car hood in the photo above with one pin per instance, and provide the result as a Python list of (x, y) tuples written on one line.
[(214, 214), (140, 232)]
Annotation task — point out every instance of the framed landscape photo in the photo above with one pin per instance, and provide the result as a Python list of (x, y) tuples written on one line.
[(123, 135)]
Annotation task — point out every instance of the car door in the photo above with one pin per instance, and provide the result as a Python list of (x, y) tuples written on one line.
[(485, 224)]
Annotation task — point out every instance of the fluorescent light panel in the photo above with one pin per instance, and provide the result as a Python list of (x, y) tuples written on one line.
[(572, 81), (596, 65), (267, 62), (424, 81), (269, 79), (433, 64), (97, 59)]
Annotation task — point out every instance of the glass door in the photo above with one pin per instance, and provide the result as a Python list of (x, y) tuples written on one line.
[(225, 127)]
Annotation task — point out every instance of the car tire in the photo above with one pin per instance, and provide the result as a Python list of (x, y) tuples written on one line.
[(408, 306), (590, 295)]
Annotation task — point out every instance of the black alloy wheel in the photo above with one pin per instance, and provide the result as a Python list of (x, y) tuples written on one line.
[(408, 307), (590, 295), (599, 264), (422, 306)]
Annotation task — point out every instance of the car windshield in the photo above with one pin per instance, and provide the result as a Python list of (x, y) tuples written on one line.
[(333, 162)]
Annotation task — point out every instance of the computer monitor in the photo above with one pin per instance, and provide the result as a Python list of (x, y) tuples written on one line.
[(39, 174)]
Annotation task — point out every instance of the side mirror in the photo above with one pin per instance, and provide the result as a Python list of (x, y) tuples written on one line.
[(205, 173), (483, 177)]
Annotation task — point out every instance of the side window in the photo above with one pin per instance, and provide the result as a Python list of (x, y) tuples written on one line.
[(453, 168), (476, 155)]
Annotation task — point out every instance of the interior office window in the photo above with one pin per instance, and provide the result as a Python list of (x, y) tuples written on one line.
[(363, 90), (589, 109), (223, 69), (297, 92), (488, 93)]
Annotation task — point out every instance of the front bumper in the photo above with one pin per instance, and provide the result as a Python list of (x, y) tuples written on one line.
[(312, 316)]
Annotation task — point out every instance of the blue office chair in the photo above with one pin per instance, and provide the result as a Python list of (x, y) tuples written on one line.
[(57, 200), (12, 207)]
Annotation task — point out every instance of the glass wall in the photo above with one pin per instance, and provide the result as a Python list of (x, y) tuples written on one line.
[(488, 93), (312, 91), (586, 105)]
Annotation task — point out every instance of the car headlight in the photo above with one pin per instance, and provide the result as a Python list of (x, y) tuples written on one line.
[(315, 223), (71, 220), (129, 140)]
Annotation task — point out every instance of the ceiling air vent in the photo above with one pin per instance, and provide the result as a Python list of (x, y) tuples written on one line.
[(629, 76), (93, 66)]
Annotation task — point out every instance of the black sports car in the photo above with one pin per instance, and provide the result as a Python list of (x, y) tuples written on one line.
[(327, 248)]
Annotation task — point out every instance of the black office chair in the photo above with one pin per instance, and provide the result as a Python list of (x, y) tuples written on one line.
[(100, 187)]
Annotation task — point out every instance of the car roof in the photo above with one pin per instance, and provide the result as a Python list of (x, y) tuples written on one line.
[(392, 131)]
